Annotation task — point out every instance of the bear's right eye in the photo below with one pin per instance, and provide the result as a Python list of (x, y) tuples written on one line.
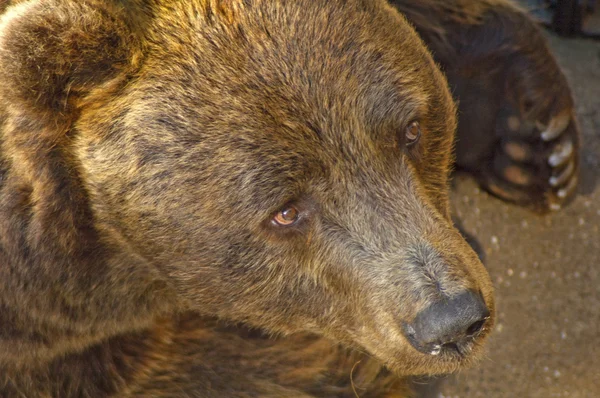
[(413, 133), (286, 216)]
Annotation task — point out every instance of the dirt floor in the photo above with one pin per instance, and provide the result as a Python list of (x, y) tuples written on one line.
[(546, 270)]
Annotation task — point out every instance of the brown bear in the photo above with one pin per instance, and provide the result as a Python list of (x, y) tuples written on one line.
[(249, 198)]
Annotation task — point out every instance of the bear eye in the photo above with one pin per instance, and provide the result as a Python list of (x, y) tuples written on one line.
[(412, 133), (286, 216)]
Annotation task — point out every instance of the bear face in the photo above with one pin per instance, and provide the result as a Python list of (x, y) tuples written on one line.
[(280, 165)]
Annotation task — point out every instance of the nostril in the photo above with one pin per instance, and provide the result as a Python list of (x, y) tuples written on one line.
[(475, 327)]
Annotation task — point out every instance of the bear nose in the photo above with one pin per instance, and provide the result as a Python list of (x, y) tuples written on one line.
[(448, 323)]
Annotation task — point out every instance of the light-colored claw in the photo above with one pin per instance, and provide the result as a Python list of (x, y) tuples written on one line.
[(563, 193), (564, 176), (556, 126), (561, 154), (555, 206)]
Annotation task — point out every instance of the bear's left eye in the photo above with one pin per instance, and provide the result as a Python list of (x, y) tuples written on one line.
[(286, 216), (412, 133)]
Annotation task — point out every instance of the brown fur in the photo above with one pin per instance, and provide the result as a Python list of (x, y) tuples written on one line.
[(145, 146)]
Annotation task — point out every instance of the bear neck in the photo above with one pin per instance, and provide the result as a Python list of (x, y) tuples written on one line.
[(110, 367), (121, 365), (64, 286)]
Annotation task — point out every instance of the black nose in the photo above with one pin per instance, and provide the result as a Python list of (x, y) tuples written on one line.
[(448, 323)]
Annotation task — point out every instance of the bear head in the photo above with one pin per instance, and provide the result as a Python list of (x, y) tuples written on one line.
[(280, 164)]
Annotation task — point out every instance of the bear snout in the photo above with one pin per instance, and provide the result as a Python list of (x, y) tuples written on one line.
[(449, 324)]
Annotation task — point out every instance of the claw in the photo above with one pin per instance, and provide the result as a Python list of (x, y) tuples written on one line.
[(567, 190), (557, 126), (561, 154), (560, 179), (555, 206)]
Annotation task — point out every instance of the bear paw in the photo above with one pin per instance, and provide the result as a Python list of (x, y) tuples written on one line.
[(534, 164)]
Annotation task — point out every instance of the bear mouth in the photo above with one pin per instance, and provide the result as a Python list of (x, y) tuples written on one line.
[(450, 357), (451, 351)]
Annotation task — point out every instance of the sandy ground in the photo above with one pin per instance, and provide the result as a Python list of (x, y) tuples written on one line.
[(546, 270)]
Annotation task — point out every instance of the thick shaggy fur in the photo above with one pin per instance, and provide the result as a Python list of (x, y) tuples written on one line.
[(145, 146)]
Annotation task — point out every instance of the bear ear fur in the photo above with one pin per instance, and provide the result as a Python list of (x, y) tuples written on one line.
[(54, 52)]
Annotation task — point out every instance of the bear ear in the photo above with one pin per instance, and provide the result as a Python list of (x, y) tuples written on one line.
[(53, 52)]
